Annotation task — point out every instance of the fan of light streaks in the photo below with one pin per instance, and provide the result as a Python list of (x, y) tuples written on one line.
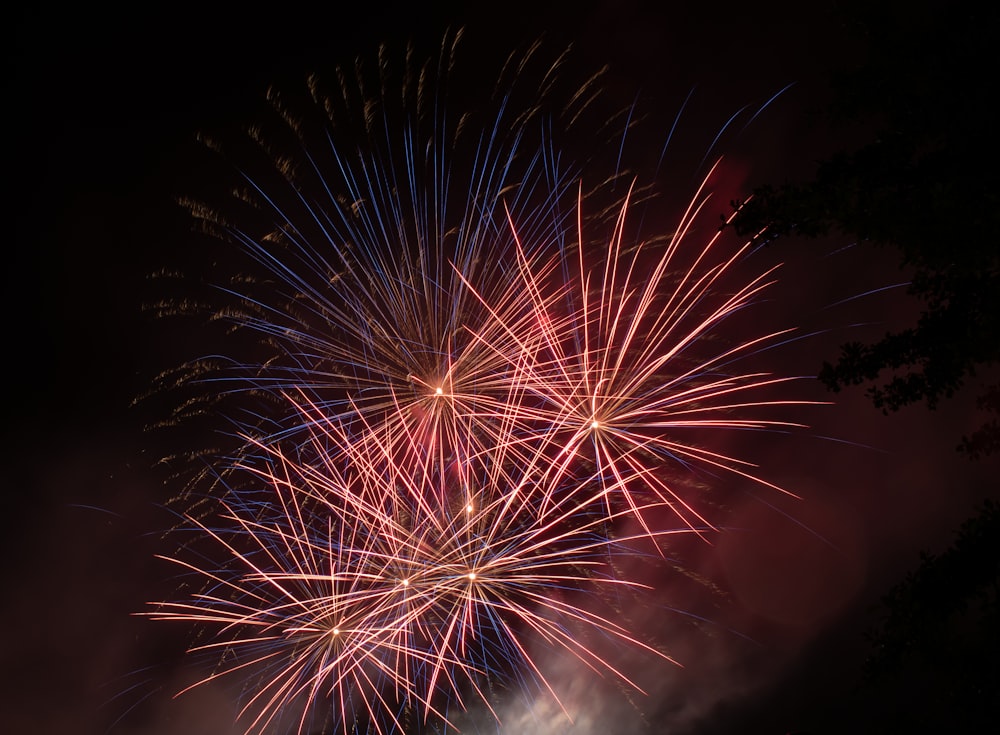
[(629, 352), (358, 580), (479, 404)]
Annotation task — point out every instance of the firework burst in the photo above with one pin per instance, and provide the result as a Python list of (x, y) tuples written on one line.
[(474, 412), (358, 581)]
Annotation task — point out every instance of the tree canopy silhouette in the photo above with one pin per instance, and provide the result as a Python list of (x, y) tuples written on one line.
[(936, 649), (925, 182)]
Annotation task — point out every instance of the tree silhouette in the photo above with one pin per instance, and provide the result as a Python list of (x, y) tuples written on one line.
[(935, 662), (925, 182)]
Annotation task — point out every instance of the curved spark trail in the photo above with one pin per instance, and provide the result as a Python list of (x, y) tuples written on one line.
[(475, 410)]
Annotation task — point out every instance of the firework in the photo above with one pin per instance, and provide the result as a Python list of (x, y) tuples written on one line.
[(475, 411), (357, 581)]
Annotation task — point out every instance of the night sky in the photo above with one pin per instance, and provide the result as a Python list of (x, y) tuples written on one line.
[(104, 110)]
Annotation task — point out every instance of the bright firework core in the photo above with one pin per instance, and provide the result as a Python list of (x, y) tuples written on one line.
[(353, 482)]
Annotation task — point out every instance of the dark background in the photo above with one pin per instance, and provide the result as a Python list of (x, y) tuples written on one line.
[(102, 115)]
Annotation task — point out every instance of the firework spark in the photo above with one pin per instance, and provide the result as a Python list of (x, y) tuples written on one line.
[(475, 413)]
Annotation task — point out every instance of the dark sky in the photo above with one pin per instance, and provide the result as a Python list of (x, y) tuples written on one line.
[(104, 109)]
